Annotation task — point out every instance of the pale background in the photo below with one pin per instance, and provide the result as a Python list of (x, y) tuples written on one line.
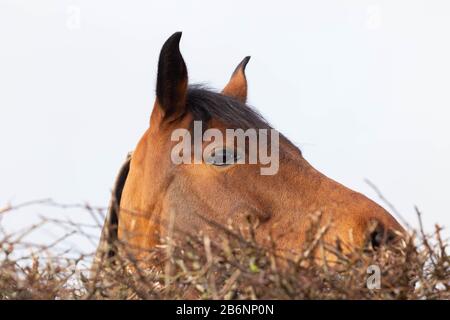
[(363, 88)]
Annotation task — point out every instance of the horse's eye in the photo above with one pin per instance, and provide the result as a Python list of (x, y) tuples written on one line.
[(222, 157)]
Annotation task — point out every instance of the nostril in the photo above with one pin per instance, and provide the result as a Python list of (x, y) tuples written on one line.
[(379, 236), (376, 238)]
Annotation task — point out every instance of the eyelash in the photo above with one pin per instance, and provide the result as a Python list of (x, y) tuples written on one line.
[(223, 161)]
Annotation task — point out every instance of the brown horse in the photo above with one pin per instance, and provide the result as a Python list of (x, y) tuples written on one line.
[(152, 192)]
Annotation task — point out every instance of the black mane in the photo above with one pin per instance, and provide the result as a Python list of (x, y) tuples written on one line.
[(205, 105)]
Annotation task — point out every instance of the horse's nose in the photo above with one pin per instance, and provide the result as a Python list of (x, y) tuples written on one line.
[(380, 234), (377, 225)]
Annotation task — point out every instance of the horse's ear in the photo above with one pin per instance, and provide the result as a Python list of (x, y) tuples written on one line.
[(237, 86), (172, 81)]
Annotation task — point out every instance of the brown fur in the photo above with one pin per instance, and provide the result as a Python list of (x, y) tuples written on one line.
[(156, 190), (237, 86)]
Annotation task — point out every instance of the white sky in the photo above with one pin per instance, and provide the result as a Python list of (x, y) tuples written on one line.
[(363, 87)]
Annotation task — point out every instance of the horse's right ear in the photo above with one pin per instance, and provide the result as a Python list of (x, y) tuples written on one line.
[(237, 86), (172, 81)]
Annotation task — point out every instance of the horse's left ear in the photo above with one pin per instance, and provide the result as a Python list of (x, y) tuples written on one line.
[(237, 86), (172, 81)]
